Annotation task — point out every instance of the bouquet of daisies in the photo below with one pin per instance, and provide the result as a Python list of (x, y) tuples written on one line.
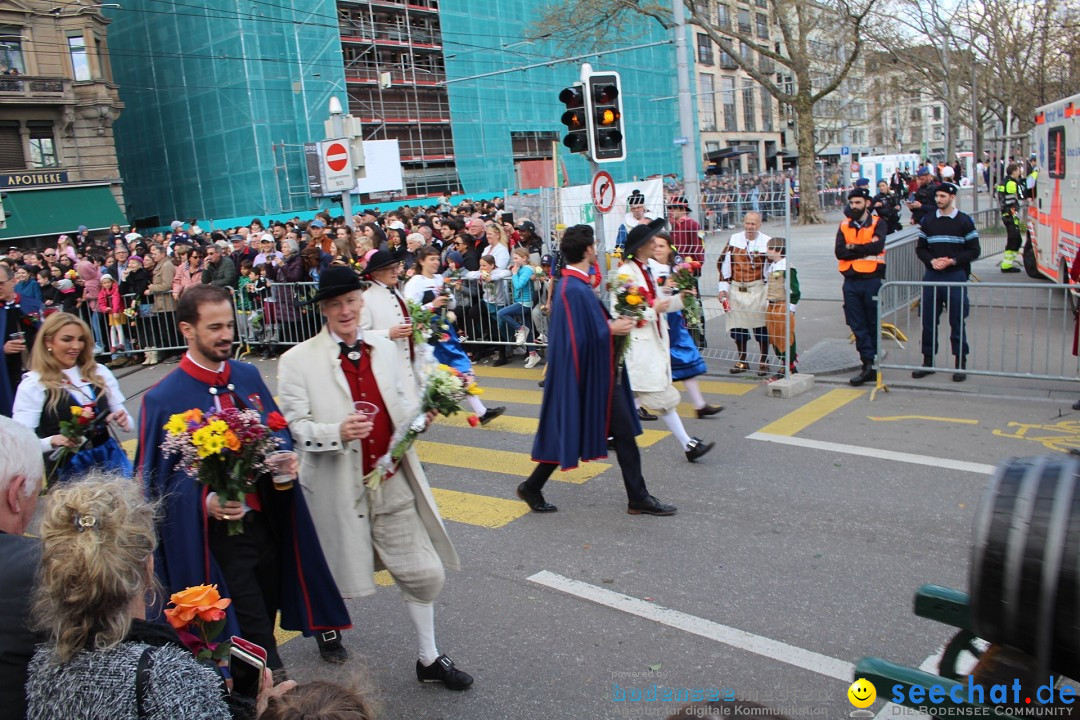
[(684, 277)]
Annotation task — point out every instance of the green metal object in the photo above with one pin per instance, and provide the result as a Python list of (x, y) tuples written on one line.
[(944, 605), (889, 677)]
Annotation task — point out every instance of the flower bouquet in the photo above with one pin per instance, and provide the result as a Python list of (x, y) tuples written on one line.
[(684, 277), (631, 300), (443, 391), (428, 324), (84, 421), (198, 616), (224, 450)]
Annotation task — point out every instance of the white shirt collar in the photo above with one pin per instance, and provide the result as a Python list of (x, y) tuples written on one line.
[(953, 214), (334, 336), (219, 367)]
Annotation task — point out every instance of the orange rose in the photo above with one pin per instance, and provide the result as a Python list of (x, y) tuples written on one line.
[(201, 601), (231, 441), (194, 415)]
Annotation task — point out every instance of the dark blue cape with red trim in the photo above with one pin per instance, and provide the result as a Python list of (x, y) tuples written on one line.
[(310, 601), (580, 380)]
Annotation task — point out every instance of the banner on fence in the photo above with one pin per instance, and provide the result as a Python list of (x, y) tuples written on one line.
[(576, 206)]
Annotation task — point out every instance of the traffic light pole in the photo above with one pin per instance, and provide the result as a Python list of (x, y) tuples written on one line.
[(598, 217), (337, 120), (691, 186)]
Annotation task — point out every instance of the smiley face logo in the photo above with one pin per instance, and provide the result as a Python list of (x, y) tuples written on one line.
[(862, 693)]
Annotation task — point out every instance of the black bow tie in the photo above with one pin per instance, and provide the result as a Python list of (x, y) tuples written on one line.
[(352, 352)]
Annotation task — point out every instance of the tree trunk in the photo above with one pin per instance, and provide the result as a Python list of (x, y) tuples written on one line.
[(809, 201)]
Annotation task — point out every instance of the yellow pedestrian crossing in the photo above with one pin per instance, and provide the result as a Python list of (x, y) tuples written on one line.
[(500, 461), (494, 395), (528, 426), (482, 510)]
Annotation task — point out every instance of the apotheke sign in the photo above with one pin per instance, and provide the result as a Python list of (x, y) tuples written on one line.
[(33, 179)]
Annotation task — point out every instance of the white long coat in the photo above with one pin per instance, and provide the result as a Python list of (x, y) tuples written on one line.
[(381, 312), (315, 399), (648, 359)]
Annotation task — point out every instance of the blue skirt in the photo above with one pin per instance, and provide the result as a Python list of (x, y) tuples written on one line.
[(449, 352), (109, 457), (686, 360)]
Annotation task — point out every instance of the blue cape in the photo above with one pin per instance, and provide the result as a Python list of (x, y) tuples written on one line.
[(310, 601), (576, 409), (8, 385)]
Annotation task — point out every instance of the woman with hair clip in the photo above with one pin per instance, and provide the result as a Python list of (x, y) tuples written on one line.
[(102, 659), (686, 360), (64, 376)]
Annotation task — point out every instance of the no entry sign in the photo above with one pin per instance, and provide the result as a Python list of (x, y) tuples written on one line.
[(337, 166)]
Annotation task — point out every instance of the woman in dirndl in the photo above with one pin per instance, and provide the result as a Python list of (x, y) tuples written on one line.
[(63, 385)]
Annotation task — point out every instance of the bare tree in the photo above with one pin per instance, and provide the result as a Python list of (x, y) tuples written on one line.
[(820, 42)]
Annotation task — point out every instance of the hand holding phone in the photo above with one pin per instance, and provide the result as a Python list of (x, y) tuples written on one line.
[(247, 665)]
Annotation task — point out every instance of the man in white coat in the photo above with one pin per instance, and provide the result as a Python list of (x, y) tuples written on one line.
[(386, 314), (648, 356), (319, 381)]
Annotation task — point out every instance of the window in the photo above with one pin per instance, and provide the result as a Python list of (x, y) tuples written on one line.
[(744, 51), (727, 62), (858, 137), (11, 55), (11, 147), (744, 21), (1055, 152), (937, 112), (762, 22), (704, 49), (749, 115), (707, 102), (80, 61), (915, 114), (761, 3), (723, 16), (727, 94), (42, 144), (766, 110)]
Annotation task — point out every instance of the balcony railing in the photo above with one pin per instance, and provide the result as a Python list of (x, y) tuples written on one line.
[(39, 89), (397, 76)]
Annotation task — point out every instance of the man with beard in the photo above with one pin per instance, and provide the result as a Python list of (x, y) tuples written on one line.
[(276, 563), (860, 252)]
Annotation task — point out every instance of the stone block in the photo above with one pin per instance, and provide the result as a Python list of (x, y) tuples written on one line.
[(790, 386)]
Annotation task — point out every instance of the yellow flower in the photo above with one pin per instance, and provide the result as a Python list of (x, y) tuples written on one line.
[(474, 389), (76, 411), (633, 300), (218, 427), (202, 436), (176, 425)]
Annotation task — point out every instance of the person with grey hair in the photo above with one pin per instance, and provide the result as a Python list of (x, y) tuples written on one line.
[(21, 474)]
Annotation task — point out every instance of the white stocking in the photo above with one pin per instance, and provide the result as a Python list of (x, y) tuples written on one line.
[(475, 404), (674, 423), (423, 617), (694, 391)]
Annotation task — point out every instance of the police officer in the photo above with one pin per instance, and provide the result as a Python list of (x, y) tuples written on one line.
[(948, 243), (886, 206), (1010, 195), (923, 200), (860, 250)]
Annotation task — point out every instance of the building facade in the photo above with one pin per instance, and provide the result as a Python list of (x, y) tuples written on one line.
[(58, 102), (738, 118)]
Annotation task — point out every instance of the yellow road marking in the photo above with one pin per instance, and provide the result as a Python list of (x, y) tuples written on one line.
[(130, 447), (893, 418), (528, 426), (482, 510), (534, 397), (383, 578), (500, 461), (512, 373), (719, 387), (805, 416), (284, 636)]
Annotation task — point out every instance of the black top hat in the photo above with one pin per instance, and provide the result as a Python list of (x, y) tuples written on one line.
[(335, 280), (379, 260), (641, 234)]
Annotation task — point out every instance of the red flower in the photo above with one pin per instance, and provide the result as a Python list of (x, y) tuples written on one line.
[(275, 421), (473, 421)]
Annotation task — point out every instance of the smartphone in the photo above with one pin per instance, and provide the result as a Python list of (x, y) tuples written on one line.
[(247, 661)]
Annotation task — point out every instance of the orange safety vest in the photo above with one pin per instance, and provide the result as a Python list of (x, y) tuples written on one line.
[(862, 236)]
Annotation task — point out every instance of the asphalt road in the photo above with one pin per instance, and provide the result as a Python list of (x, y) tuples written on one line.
[(797, 547)]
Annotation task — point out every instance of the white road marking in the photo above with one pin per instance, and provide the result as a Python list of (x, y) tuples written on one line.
[(766, 647), (880, 454)]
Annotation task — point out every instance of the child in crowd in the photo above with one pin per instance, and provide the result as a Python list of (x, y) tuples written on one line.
[(780, 315), (111, 306), (495, 298), (513, 316), (245, 303), (542, 287)]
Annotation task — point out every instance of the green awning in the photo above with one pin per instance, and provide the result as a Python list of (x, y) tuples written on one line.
[(56, 211)]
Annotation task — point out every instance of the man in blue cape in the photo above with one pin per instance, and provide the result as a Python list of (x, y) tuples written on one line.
[(585, 402), (17, 315), (276, 563)]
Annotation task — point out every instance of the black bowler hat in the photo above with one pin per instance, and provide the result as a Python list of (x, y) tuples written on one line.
[(380, 259), (641, 234), (859, 192), (335, 280)]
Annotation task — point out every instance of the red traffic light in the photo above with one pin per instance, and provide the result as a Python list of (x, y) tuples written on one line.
[(572, 97), (605, 94)]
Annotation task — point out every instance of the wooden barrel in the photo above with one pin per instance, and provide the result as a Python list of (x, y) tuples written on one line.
[(1025, 565)]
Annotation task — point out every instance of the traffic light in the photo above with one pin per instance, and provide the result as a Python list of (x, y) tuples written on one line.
[(575, 118), (606, 137)]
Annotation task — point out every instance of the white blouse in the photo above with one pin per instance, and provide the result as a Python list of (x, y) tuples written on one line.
[(31, 395), (418, 285)]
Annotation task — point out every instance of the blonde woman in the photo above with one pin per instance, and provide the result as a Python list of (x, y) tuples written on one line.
[(102, 659), (64, 379), (498, 245)]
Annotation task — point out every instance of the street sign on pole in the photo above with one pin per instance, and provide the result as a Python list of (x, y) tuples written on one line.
[(854, 167), (336, 165), (603, 191), (845, 150)]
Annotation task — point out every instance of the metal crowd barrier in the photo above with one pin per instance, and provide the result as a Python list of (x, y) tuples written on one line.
[(901, 265), (1015, 330), (487, 315)]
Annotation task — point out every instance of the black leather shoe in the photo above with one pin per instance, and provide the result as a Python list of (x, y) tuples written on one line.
[(491, 414), (961, 365), (502, 360), (698, 447), (443, 670), (928, 362), (644, 414), (709, 410), (330, 648), (863, 377), (534, 500), (649, 506)]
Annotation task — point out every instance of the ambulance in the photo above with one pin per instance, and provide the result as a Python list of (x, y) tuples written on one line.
[(1053, 216)]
